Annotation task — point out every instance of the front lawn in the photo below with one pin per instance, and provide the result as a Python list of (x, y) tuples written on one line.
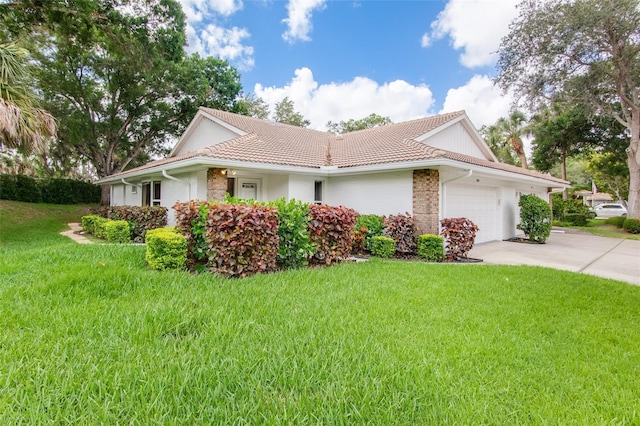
[(90, 335), (601, 228)]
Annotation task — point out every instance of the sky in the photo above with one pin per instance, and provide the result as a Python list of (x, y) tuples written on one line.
[(345, 59)]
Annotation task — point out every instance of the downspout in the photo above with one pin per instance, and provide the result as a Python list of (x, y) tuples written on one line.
[(168, 176), (132, 184), (443, 193)]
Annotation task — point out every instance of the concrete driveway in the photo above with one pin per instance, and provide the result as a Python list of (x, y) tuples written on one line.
[(572, 251)]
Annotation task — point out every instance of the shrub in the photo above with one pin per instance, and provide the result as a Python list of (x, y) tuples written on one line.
[(191, 221), (117, 231), (575, 219), (295, 246), (632, 225), (617, 221), (383, 246), (99, 227), (166, 249), (369, 226), (431, 247), (242, 240), (50, 190), (403, 231), (89, 223), (331, 232), (535, 218), (459, 236), (20, 188), (141, 219)]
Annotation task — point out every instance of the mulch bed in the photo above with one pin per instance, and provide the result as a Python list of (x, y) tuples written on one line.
[(522, 240)]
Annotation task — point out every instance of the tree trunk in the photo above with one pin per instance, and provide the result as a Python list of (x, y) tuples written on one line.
[(565, 192), (105, 195), (633, 161)]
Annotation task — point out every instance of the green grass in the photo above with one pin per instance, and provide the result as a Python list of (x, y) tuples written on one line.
[(90, 335), (599, 227)]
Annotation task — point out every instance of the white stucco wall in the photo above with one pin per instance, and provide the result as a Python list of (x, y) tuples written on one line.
[(203, 134), (302, 188), (376, 193), (456, 139), (276, 186)]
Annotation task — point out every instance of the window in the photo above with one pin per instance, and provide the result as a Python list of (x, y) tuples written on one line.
[(151, 193), (231, 186), (134, 189), (317, 196)]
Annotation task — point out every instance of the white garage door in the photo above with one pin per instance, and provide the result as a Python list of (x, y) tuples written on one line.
[(478, 203)]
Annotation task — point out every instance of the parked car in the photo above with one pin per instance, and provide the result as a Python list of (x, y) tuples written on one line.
[(610, 210)]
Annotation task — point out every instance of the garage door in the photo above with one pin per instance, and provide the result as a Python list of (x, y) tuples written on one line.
[(478, 203)]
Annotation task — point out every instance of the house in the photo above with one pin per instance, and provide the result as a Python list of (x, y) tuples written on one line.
[(433, 168)]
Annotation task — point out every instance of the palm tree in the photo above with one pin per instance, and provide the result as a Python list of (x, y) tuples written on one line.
[(23, 125), (494, 137), (513, 128)]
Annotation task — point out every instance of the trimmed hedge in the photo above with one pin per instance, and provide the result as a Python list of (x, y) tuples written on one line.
[(431, 247), (89, 223), (459, 234), (295, 246), (331, 232), (383, 246), (576, 219), (48, 190), (617, 221), (166, 249), (369, 226), (140, 219), (632, 225), (117, 231), (402, 229)]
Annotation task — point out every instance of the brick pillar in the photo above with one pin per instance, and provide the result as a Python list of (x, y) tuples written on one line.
[(216, 184), (426, 201)]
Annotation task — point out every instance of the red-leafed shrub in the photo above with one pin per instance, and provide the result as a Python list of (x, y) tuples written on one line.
[(141, 219), (191, 219), (459, 234), (331, 231), (402, 229), (243, 240)]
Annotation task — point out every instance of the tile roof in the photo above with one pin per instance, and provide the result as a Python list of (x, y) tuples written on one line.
[(276, 143)]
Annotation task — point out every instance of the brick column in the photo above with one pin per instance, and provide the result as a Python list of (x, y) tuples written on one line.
[(426, 201), (216, 184)]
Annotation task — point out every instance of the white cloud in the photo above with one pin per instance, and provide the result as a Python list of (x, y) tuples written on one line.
[(196, 10), (426, 40), (299, 19), (355, 99), (483, 102), (225, 43), (476, 27)]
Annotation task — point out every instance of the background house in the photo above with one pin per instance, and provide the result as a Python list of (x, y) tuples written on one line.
[(432, 168)]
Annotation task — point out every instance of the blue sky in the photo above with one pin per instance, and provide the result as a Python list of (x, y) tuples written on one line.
[(347, 59)]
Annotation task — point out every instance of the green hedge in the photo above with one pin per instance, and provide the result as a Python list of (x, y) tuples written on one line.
[(383, 246), (48, 190), (617, 221), (632, 225), (575, 219), (431, 247), (535, 218), (117, 231), (166, 249)]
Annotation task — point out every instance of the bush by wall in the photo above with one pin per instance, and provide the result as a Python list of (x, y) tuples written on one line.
[(141, 219), (383, 246), (89, 223), (369, 226), (576, 219), (431, 247), (331, 232), (535, 218), (117, 231), (243, 240), (459, 236), (166, 249), (191, 220), (631, 225), (617, 221), (295, 246), (402, 229), (47, 190)]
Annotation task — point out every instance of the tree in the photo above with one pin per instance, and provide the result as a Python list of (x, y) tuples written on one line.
[(115, 74), (23, 125), (587, 50), (560, 132), (255, 107), (284, 113), (351, 125), (513, 128), (493, 136)]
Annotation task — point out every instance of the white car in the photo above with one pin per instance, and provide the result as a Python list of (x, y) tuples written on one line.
[(610, 210)]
